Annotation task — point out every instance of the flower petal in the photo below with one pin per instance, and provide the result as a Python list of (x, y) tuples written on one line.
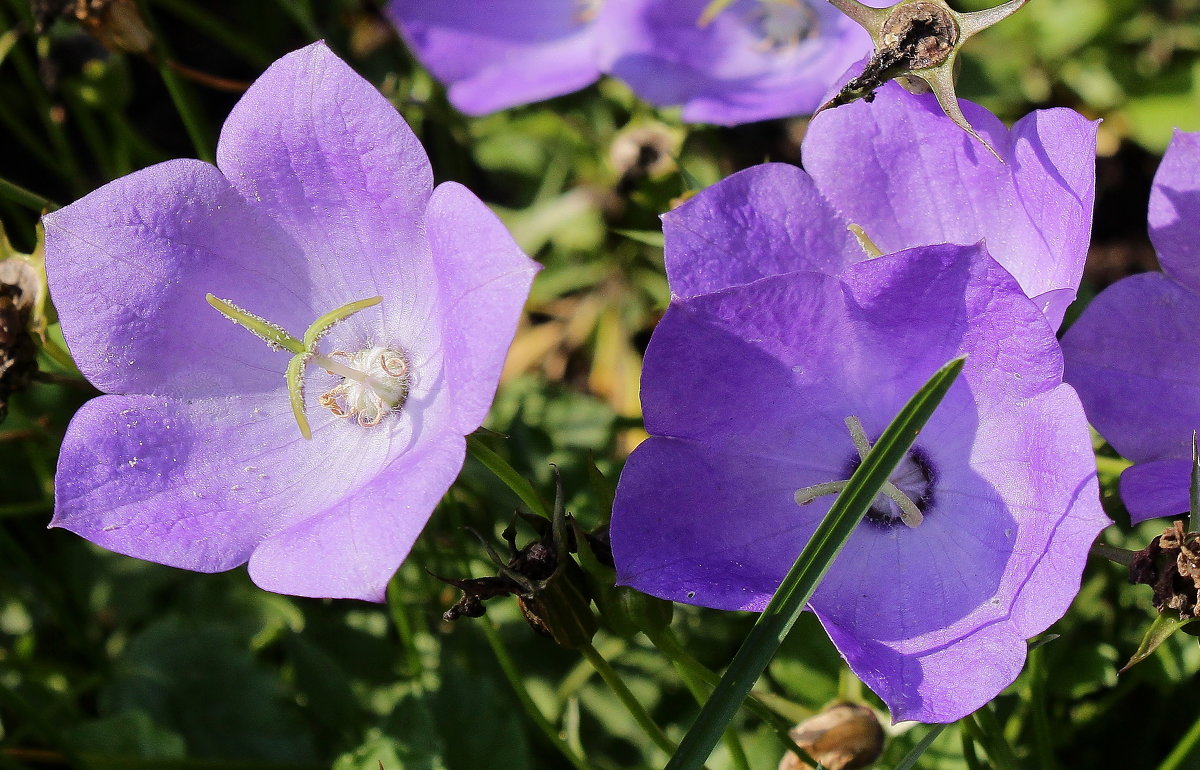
[(1131, 356), (198, 483), (129, 266), (351, 549), (899, 169), (766, 220), (503, 53), (1158, 488), (1175, 210), (752, 61), (315, 147), (484, 278)]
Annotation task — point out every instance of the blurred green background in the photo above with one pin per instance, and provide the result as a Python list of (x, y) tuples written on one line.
[(108, 662)]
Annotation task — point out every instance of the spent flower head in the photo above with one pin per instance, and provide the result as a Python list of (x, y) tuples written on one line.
[(372, 312), (1134, 353)]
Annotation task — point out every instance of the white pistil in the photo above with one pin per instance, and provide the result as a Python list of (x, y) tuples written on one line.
[(375, 383)]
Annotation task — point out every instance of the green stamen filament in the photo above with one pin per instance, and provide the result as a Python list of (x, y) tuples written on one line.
[(304, 351), (910, 514), (865, 242)]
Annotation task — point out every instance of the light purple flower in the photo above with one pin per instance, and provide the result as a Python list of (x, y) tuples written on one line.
[(322, 196), (747, 392), (905, 174), (502, 53), (756, 59), (1134, 354)]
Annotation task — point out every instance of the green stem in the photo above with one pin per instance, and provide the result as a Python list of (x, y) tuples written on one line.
[(986, 730), (669, 645), (910, 759), (516, 681), (27, 198), (1122, 556), (635, 709), (1185, 752), (699, 691), (180, 92), (507, 474)]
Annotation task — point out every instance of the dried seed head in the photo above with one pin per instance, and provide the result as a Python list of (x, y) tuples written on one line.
[(18, 354)]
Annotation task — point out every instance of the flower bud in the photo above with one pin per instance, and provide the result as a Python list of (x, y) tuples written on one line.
[(844, 736)]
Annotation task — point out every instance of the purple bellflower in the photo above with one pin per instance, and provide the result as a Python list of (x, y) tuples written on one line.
[(756, 59), (1134, 354), (761, 399), (902, 175), (313, 436)]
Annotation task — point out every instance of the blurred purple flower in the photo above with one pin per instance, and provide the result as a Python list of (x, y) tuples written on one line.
[(905, 174), (502, 53), (748, 392), (322, 197), (1134, 353), (757, 59)]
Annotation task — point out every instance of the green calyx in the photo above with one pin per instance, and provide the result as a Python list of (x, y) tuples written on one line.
[(303, 350), (917, 40)]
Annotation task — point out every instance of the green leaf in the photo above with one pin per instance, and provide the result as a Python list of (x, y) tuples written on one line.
[(505, 472), (812, 564), (1159, 631)]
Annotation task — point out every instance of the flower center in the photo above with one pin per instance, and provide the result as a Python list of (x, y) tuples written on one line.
[(913, 477), (906, 495), (375, 383), (784, 24)]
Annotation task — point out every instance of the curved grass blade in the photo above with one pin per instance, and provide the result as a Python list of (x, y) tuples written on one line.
[(507, 474), (812, 564)]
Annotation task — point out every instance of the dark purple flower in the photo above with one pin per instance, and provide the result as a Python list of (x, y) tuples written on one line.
[(764, 395), (754, 60), (1134, 354), (907, 176), (322, 200)]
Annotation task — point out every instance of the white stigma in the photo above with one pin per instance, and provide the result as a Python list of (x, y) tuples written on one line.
[(375, 383)]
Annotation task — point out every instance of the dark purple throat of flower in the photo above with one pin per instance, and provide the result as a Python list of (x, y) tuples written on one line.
[(906, 495), (375, 381)]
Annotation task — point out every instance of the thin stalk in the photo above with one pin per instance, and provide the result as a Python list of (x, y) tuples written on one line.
[(635, 708), (507, 474), (180, 92), (737, 754), (27, 198), (986, 730), (668, 644), (509, 668), (910, 759), (1186, 752), (1122, 556)]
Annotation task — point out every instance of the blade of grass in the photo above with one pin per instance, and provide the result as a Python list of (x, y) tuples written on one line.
[(507, 474), (27, 198), (910, 759), (1186, 753), (812, 564)]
